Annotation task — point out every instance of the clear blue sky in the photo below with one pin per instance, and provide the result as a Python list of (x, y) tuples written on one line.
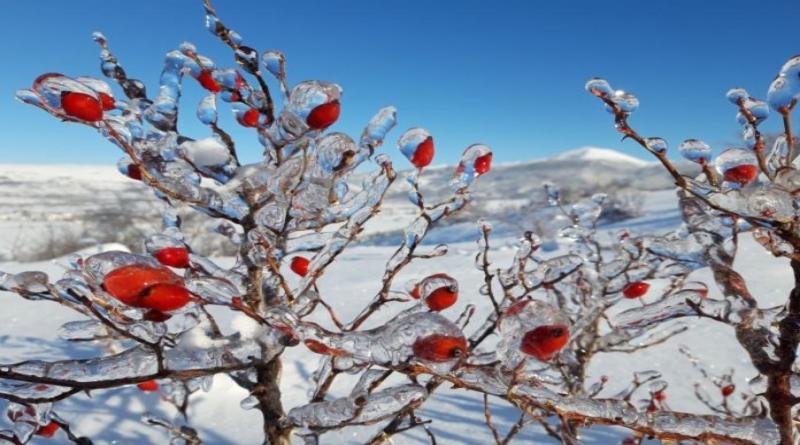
[(508, 74)]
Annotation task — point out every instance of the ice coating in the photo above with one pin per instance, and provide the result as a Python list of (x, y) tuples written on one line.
[(585, 212), (778, 155), (475, 161), (298, 199), (82, 330), (672, 424), (524, 318), (438, 291), (737, 166), (394, 342), (680, 304), (757, 109), (599, 87), (99, 265), (378, 127), (335, 153), (303, 99), (783, 93), (140, 363), (416, 144), (25, 283), (627, 102), (359, 409), (553, 269), (695, 151), (658, 145), (736, 95)]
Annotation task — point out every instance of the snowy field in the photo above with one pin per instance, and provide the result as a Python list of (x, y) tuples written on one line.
[(29, 330)]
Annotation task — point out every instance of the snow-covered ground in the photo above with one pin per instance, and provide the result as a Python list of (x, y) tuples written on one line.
[(29, 330)]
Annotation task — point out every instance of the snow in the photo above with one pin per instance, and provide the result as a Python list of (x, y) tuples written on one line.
[(29, 330), (599, 154)]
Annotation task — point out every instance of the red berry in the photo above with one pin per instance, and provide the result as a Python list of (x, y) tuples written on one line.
[(134, 172), (174, 257), (423, 155), (635, 289), (249, 118), (299, 265), (727, 390), (442, 298), (544, 342), (660, 396), (106, 101), (741, 174), (207, 81), (483, 163), (127, 283), (48, 430), (323, 116), (81, 106), (164, 297), (150, 385), (439, 348)]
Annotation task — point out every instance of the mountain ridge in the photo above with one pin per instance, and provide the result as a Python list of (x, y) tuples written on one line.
[(58, 192)]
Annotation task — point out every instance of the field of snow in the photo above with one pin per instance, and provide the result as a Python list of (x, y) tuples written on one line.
[(29, 330)]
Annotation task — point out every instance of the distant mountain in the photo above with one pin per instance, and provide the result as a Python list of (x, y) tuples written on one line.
[(62, 192), (586, 168), (595, 154)]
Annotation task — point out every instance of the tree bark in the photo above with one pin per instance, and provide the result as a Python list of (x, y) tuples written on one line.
[(779, 388), (268, 392)]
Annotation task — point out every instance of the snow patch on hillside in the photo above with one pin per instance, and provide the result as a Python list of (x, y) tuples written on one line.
[(599, 154)]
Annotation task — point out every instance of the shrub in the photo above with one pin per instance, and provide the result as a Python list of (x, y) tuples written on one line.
[(541, 321)]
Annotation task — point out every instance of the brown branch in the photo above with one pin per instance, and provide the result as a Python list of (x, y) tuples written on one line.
[(268, 392)]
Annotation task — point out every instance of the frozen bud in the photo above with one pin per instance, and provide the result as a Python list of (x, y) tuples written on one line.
[(757, 108), (599, 87), (275, 63), (696, 151), (792, 67), (626, 102), (658, 145), (378, 127), (782, 94), (736, 95)]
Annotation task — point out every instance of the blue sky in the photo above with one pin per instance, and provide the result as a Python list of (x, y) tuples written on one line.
[(508, 74)]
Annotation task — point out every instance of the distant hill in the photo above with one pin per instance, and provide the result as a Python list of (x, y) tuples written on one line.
[(61, 192), (583, 168)]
